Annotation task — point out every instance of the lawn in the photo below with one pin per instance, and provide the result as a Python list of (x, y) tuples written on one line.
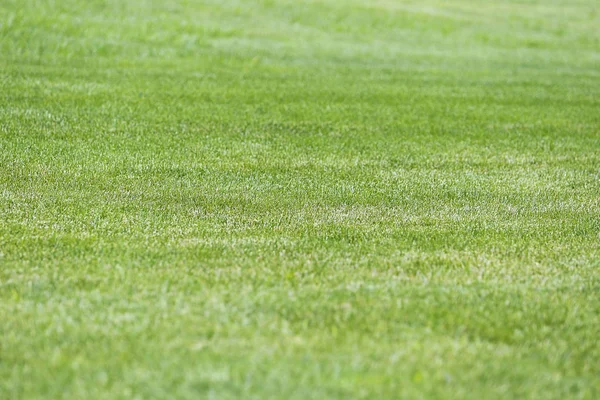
[(283, 199)]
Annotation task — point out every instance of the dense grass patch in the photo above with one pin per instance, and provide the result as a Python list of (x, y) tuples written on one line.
[(284, 199)]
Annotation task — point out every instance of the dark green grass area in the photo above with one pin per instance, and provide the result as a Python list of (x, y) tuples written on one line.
[(299, 199)]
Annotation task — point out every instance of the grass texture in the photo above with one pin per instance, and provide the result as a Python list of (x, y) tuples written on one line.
[(317, 199)]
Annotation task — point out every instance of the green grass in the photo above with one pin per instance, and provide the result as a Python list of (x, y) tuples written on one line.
[(299, 199)]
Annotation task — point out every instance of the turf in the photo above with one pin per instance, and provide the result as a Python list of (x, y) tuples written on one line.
[(283, 199)]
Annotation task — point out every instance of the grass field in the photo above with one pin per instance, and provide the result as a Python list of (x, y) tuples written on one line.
[(282, 199)]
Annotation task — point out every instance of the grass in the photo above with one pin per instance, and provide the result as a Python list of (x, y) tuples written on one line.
[(280, 199)]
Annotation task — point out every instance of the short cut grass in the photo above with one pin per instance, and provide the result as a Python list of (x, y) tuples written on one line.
[(290, 199)]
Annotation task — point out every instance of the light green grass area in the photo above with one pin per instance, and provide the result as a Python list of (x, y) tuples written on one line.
[(283, 199)]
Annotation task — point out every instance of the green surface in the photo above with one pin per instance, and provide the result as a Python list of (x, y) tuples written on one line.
[(292, 200)]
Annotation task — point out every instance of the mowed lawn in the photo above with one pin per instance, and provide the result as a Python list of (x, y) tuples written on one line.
[(282, 199)]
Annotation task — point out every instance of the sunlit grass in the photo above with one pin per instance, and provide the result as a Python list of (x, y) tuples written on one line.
[(316, 199)]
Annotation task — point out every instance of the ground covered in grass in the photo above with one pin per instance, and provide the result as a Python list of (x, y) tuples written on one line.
[(281, 199)]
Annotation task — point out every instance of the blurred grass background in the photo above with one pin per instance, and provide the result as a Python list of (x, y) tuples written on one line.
[(314, 199)]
